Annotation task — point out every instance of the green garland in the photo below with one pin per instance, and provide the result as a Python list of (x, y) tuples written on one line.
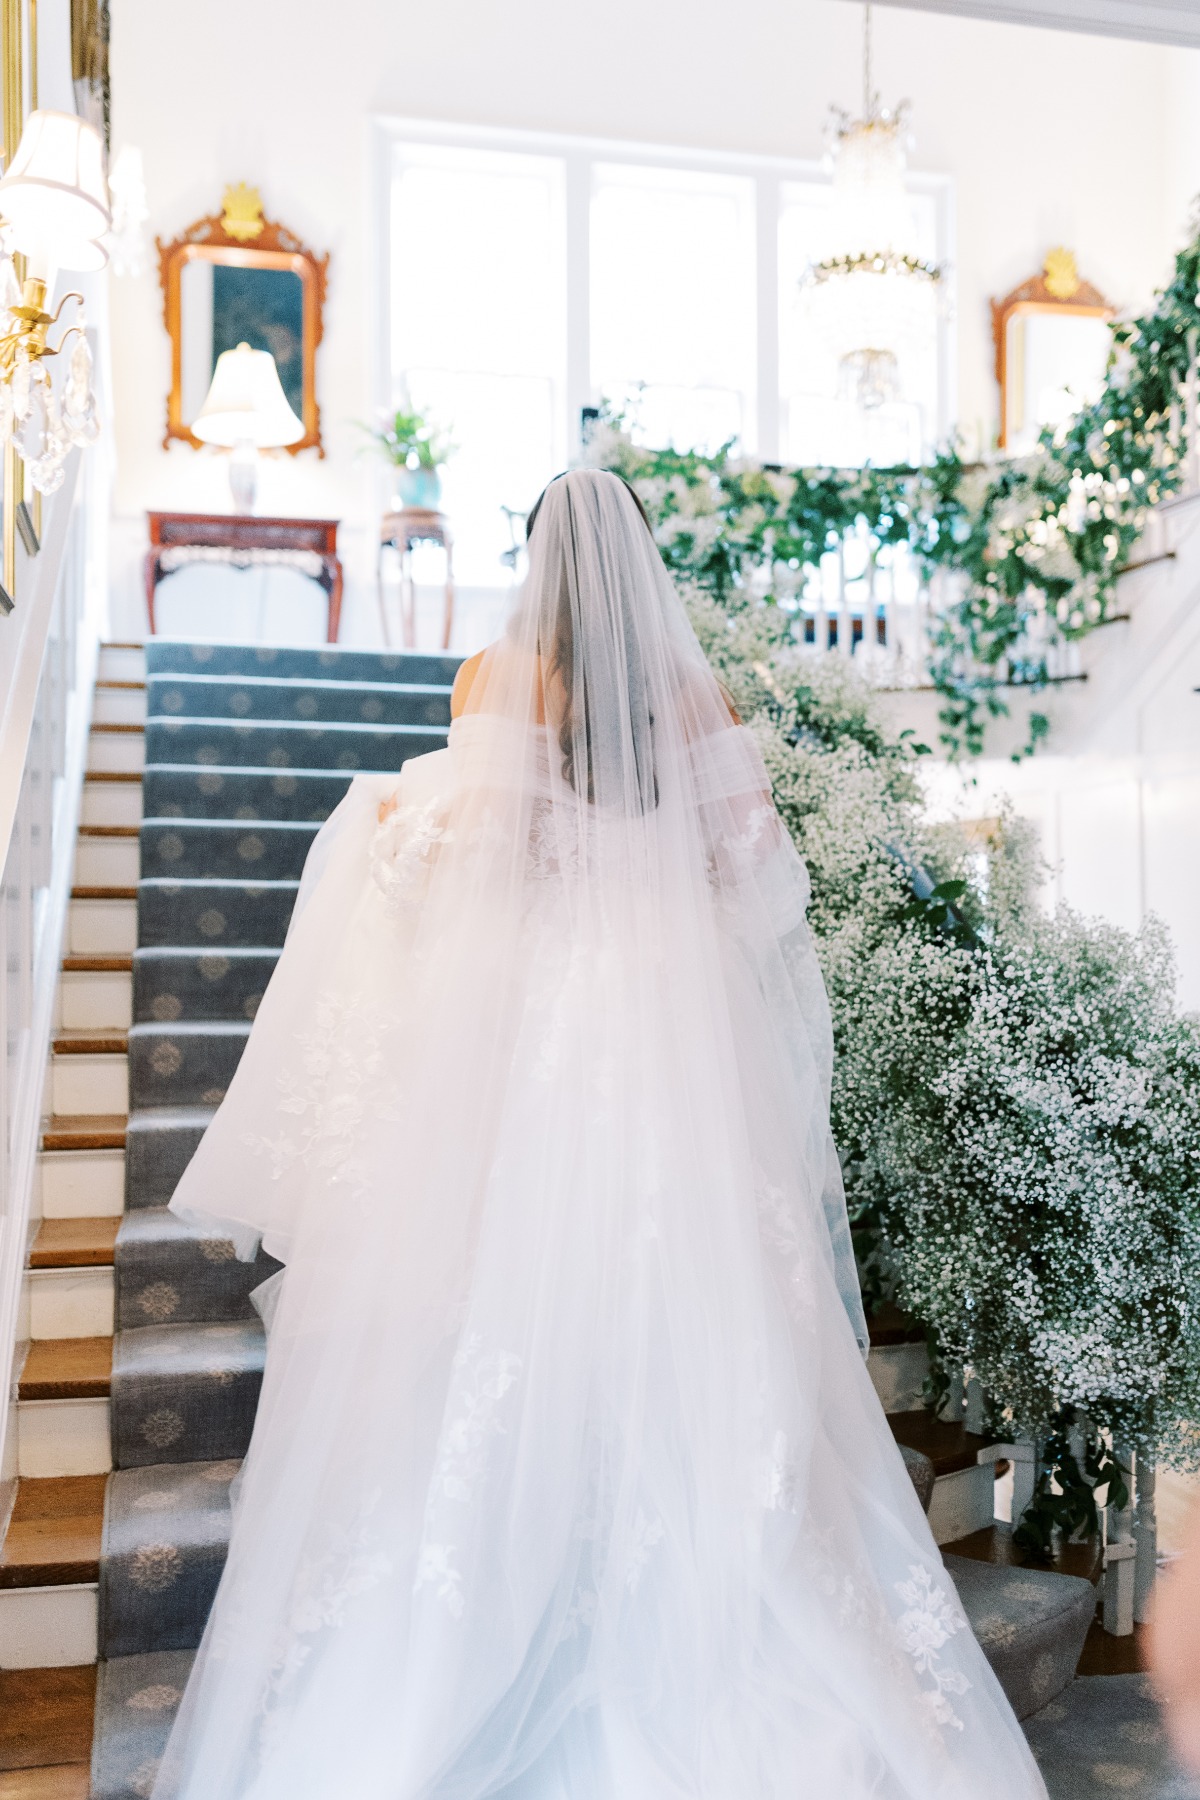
[(1038, 542)]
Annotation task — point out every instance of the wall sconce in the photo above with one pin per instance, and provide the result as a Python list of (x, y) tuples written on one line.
[(245, 411), (54, 202)]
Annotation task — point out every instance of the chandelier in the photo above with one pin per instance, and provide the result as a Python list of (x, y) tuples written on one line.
[(873, 297)]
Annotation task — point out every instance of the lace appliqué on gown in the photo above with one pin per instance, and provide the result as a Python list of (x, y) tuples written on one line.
[(480, 1380), (932, 1618), (339, 1084), (402, 851), (914, 1637), (352, 1563)]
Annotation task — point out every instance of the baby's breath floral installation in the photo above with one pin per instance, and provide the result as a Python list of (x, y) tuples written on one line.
[(1016, 1101), (1035, 544)]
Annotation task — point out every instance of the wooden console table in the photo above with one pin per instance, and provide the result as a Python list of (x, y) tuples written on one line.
[(245, 541)]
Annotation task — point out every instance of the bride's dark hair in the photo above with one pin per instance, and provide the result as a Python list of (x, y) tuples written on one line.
[(629, 489), (558, 665)]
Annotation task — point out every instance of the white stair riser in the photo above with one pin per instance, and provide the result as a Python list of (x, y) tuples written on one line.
[(107, 862), (119, 663), (111, 803), (49, 1627), (95, 1000), (69, 1303), (119, 751), (102, 927), (962, 1502), (82, 1184), (898, 1372), (119, 706), (63, 1437), (90, 1084)]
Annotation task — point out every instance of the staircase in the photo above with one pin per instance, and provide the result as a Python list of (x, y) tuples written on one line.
[(211, 768)]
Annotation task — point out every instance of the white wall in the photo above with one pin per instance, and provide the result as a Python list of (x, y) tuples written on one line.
[(1050, 137)]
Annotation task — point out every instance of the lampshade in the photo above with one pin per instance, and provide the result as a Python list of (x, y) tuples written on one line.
[(246, 404), (54, 194)]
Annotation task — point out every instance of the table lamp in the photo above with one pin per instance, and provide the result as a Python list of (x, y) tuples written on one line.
[(245, 411)]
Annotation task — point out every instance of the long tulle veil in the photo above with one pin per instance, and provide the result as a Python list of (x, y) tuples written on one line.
[(567, 1478)]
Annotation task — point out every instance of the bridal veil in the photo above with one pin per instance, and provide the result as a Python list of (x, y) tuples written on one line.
[(568, 1480)]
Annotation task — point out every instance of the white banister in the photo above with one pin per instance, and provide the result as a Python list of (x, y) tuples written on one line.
[(48, 650)]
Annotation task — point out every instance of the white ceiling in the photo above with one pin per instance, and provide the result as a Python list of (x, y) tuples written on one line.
[(1153, 21)]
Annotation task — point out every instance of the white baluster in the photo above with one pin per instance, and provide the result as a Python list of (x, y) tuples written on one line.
[(870, 636), (845, 626), (1145, 1533), (821, 623), (1024, 1457), (1120, 1553), (1191, 467)]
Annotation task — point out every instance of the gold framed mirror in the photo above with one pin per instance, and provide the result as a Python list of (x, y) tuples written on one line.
[(1052, 347), (238, 277)]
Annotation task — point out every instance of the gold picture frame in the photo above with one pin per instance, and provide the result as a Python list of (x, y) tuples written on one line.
[(1059, 291), (240, 236)]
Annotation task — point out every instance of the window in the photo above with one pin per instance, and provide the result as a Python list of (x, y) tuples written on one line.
[(529, 276), (672, 302), (477, 324)]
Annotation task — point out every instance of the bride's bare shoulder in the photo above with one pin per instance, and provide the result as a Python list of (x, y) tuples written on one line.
[(501, 660), (464, 681)]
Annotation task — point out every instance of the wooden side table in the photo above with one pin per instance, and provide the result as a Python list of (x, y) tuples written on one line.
[(399, 531), (245, 541)]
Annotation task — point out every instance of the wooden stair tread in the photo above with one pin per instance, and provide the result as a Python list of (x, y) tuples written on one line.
[(109, 831), (46, 1717), (994, 1544), (85, 1131), (61, 1781), (948, 1447), (1107, 1655), (98, 965), (90, 1043), (67, 1369), (891, 1326), (74, 1244), (112, 775), (54, 1533), (104, 893)]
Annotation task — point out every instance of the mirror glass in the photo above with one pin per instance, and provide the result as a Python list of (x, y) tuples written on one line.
[(223, 304), (1054, 363)]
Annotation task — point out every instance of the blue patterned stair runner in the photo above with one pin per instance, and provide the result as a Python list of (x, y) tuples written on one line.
[(248, 749)]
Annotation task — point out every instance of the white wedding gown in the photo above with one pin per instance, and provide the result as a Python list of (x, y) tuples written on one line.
[(568, 1480)]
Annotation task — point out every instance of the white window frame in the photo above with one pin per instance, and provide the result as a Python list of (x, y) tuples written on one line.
[(578, 154)]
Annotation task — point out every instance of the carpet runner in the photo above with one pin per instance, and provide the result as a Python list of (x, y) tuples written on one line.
[(248, 749)]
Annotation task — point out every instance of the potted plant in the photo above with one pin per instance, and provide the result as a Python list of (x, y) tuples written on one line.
[(416, 448)]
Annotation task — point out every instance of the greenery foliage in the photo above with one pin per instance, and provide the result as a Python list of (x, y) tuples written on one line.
[(409, 440), (1016, 1101), (1031, 548)]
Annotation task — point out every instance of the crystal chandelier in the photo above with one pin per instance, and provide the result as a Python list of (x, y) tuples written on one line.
[(873, 297), (54, 201)]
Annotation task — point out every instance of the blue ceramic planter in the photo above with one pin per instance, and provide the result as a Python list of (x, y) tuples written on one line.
[(418, 487)]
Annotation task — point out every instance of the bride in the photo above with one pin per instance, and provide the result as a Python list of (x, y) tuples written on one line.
[(568, 1480)]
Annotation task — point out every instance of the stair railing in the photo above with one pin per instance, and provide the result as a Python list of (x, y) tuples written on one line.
[(48, 653)]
